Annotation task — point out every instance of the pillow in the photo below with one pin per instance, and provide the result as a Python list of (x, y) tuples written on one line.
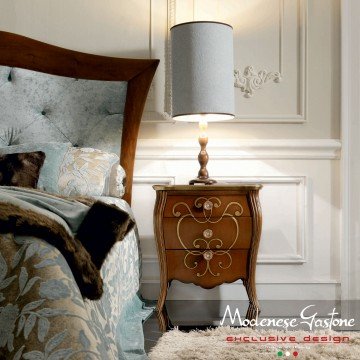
[(91, 172), (117, 182), (54, 152), (21, 169)]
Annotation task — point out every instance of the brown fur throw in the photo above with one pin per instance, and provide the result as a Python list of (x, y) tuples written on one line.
[(104, 224), (21, 169), (102, 227)]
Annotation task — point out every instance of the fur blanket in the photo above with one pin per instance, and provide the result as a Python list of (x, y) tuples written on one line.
[(85, 247)]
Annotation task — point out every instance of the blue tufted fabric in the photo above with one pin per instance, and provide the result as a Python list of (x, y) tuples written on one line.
[(40, 107)]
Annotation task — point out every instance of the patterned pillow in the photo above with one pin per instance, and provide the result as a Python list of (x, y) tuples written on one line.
[(22, 169), (92, 172)]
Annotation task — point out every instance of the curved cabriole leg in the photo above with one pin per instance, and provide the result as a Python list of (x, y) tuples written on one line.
[(162, 315), (160, 245), (249, 283), (253, 310)]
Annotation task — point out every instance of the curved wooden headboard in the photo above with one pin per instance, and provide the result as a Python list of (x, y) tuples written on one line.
[(22, 52)]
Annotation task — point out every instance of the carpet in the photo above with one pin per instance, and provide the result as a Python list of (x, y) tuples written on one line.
[(226, 343)]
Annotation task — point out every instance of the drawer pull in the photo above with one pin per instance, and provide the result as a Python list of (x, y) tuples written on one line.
[(208, 255), (208, 233), (208, 205)]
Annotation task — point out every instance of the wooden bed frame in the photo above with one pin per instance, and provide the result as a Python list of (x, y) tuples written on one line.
[(22, 52)]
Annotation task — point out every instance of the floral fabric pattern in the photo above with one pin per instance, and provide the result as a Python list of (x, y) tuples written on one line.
[(42, 313), (92, 172)]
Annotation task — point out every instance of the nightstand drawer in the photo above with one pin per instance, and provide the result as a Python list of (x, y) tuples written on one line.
[(220, 233), (193, 267), (209, 205)]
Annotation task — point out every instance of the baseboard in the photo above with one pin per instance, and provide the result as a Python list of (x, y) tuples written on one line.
[(329, 290)]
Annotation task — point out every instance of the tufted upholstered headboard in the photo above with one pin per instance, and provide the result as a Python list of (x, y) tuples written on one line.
[(49, 93), (86, 113)]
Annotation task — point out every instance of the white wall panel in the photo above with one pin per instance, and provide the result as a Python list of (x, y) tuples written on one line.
[(100, 27), (270, 53), (297, 38), (284, 238), (350, 159)]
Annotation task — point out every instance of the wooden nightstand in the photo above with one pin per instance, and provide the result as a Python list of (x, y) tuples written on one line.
[(207, 235)]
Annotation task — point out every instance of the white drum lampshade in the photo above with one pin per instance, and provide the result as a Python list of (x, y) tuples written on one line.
[(202, 69)]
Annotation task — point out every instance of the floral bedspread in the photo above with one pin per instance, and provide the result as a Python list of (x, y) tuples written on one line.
[(43, 315)]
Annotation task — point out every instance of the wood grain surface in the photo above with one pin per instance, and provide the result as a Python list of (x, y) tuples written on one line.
[(178, 215)]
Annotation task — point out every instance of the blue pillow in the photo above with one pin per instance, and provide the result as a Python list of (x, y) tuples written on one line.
[(54, 152)]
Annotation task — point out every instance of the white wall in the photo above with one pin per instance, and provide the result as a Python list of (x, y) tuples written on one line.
[(350, 159), (285, 135)]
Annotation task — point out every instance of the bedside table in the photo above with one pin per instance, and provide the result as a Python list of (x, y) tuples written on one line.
[(207, 235)]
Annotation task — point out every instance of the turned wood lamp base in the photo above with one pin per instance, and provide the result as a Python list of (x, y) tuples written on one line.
[(203, 157)]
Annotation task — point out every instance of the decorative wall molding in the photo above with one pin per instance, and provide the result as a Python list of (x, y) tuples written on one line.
[(302, 216), (270, 287), (290, 149), (302, 221), (276, 76), (171, 18), (158, 104), (249, 81), (151, 180)]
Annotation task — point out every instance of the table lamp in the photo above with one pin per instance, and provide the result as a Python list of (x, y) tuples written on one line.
[(202, 79)]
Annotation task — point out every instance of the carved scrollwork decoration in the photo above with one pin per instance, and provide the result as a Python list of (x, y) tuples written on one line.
[(249, 81), (211, 245)]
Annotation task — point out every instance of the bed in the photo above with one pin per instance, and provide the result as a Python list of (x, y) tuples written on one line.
[(78, 115)]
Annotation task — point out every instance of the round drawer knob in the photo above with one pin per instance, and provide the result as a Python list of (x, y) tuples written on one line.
[(208, 233), (208, 255), (208, 205)]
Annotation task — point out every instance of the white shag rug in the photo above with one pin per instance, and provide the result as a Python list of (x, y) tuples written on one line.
[(212, 344)]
